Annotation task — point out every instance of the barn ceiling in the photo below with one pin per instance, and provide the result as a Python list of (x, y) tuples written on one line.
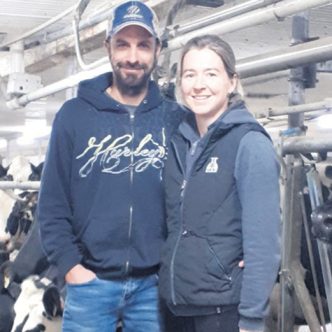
[(49, 55)]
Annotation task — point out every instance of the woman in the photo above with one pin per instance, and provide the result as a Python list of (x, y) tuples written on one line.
[(222, 200)]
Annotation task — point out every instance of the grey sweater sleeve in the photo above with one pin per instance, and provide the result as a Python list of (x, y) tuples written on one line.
[(257, 177)]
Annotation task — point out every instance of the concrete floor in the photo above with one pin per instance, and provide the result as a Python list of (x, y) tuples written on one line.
[(306, 328)]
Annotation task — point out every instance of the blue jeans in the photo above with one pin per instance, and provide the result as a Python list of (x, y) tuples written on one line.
[(98, 305)]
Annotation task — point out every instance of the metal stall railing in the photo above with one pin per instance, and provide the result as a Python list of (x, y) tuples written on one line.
[(297, 178)]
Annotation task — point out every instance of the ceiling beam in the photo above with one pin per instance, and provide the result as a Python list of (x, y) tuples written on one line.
[(42, 57)]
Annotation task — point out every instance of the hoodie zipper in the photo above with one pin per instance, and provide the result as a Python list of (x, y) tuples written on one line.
[(183, 230), (131, 176)]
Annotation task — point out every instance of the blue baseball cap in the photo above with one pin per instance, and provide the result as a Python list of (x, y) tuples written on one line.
[(133, 13)]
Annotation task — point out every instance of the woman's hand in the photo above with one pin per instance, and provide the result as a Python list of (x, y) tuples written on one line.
[(79, 275)]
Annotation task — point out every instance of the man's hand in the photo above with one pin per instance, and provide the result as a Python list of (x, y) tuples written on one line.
[(241, 264), (79, 275)]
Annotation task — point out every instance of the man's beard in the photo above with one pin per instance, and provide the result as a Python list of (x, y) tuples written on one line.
[(131, 84)]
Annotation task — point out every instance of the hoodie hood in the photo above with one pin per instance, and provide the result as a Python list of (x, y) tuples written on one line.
[(236, 114), (93, 91)]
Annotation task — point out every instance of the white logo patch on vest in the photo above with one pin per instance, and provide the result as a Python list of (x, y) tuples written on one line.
[(212, 166)]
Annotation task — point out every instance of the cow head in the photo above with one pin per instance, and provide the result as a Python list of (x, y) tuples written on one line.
[(32, 314)]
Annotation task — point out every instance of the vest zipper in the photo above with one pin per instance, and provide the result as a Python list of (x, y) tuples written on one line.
[(131, 177), (183, 231)]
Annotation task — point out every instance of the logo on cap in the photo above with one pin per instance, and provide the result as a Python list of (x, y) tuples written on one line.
[(133, 10)]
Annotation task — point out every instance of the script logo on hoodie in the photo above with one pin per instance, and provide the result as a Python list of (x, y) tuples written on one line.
[(118, 155)]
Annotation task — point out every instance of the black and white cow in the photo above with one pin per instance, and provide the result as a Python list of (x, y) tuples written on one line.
[(38, 307), (16, 226), (36, 301), (17, 207)]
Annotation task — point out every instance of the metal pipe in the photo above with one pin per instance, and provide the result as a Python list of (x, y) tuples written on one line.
[(296, 87), (302, 144), (97, 18), (304, 298), (222, 15), (290, 251), (315, 51), (310, 49), (310, 52), (26, 185), (81, 6), (326, 104), (101, 15), (78, 51), (293, 225), (56, 87), (17, 57), (312, 262), (39, 27), (277, 11)]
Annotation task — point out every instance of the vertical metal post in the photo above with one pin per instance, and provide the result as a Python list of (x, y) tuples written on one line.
[(290, 241), (17, 57), (300, 34), (72, 68), (290, 229), (292, 278)]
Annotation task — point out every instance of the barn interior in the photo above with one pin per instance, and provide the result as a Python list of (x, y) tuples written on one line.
[(40, 65), (284, 59)]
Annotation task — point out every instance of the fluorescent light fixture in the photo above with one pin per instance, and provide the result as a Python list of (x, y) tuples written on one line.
[(325, 121), (24, 140), (33, 129), (3, 143)]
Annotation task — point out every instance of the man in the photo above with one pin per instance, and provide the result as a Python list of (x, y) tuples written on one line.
[(101, 205)]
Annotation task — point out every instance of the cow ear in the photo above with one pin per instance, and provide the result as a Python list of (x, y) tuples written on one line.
[(33, 167)]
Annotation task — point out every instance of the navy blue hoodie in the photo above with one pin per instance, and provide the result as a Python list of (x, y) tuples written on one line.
[(101, 202)]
